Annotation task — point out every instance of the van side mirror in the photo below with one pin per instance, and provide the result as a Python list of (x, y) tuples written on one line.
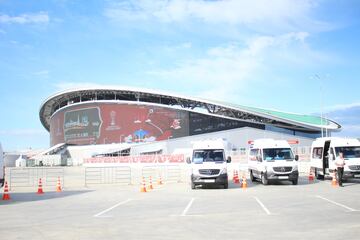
[(188, 160), (228, 160), (296, 157), (259, 158)]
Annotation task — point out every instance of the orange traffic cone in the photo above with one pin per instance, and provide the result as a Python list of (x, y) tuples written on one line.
[(333, 181), (58, 185), (237, 180), (150, 184), (311, 176), (160, 180), (143, 185), (6, 195), (40, 189), (244, 183)]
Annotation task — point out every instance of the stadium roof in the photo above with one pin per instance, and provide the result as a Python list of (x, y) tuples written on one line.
[(212, 107)]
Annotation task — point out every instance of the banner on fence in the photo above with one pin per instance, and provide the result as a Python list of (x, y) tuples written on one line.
[(174, 158)]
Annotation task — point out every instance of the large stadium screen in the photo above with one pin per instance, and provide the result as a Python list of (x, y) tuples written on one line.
[(104, 123)]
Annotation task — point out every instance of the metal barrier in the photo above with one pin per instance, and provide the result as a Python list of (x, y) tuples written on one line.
[(173, 173), (107, 175), (169, 173), (29, 177)]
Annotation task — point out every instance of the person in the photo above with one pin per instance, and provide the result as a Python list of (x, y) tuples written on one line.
[(340, 163)]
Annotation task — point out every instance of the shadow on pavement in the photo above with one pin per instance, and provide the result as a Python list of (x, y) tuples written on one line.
[(231, 185), (21, 197), (350, 182), (302, 181)]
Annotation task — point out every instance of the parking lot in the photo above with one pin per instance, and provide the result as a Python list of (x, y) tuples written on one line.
[(174, 211)]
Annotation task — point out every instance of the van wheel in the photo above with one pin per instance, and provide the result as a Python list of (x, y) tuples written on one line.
[(295, 182), (226, 185), (252, 178), (264, 180), (193, 185)]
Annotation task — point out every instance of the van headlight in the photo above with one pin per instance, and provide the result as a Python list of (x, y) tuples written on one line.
[(295, 168), (223, 171)]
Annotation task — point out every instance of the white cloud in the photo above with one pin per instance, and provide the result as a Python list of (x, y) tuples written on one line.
[(24, 132), (340, 107), (42, 73), (348, 131), (229, 69), (292, 14), (35, 18), (62, 86), (179, 47)]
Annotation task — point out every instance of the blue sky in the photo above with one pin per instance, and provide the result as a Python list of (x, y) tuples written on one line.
[(257, 53)]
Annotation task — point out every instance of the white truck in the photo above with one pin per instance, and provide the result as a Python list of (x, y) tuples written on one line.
[(209, 163), (271, 159), (2, 167), (324, 152)]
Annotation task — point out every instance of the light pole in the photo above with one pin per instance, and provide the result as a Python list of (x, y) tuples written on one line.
[(321, 103)]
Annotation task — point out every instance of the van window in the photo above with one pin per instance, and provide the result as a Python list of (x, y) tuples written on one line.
[(317, 153), (212, 155), (253, 154), (278, 154), (348, 152)]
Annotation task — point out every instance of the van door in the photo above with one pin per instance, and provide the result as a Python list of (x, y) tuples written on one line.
[(253, 163), (326, 156)]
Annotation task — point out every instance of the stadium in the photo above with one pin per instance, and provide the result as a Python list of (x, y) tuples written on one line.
[(130, 116)]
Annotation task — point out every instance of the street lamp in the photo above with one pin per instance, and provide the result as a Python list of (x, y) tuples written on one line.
[(321, 103)]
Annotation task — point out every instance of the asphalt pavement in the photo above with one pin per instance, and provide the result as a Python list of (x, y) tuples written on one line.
[(174, 211)]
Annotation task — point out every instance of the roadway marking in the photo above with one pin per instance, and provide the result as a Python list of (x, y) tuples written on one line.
[(338, 204), (263, 206), (183, 214), (111, 208)]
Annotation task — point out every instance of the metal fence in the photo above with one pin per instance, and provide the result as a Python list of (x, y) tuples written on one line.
[(107, 175), (169, 173), (121, 175), (29, 177)]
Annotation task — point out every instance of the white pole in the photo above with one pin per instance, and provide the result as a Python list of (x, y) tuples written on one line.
[(321, 104)]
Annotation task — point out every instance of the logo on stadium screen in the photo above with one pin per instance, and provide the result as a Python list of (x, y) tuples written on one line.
[(112, 126), (82, 126)]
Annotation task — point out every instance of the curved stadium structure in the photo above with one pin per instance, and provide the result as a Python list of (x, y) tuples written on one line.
[(86, 116)]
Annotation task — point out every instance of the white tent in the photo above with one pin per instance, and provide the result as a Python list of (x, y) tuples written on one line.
[(20, 162)]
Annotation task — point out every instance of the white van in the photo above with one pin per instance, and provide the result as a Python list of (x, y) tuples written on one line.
[(209, 163), (271, 159), (324, 151), (2, 167)]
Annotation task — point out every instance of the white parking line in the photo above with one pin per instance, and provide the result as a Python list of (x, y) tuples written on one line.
[(263, 206), (187, 208), (110, 208), (338, 204)]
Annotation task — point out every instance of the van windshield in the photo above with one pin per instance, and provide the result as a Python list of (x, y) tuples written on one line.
[(348, 152), (211, 155), (271, 154)]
